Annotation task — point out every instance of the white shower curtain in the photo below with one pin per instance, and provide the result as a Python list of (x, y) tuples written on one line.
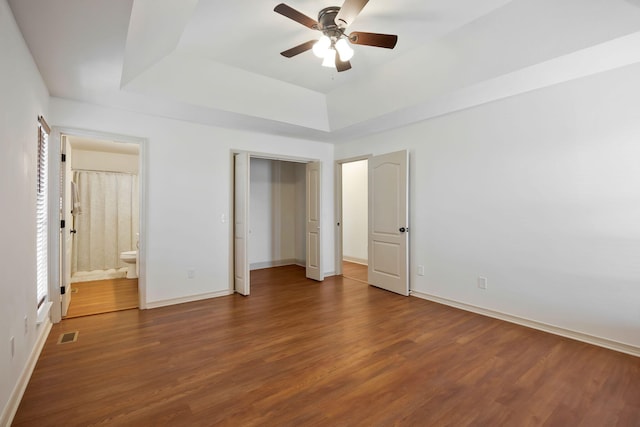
[(108, 222)]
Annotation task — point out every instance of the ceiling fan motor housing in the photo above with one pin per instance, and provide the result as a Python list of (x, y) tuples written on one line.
[(327, 21)]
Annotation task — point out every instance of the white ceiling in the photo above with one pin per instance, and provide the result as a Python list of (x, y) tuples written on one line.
[(218, 62)]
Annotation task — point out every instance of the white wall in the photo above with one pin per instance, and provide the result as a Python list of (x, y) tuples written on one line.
[(539, 193), (104, 161), (292, 211), (355, 211), (261, 211), (188, 190), (24, 97), (274, 211)]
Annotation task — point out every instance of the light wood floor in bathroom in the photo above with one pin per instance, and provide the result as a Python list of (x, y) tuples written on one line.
[(102, 296)]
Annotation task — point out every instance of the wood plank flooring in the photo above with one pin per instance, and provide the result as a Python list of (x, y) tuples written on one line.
[(338, 353), (355, 271), (102, 296)]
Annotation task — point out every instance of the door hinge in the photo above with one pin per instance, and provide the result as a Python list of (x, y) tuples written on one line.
[(63, 157), (63, 290), (62, 223)]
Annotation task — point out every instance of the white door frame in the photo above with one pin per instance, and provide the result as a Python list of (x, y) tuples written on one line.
[(338, 208), (54, 220), (65, 214), (257, 155)]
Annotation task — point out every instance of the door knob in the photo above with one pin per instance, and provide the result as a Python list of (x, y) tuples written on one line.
[(403, 229), (72, 231)]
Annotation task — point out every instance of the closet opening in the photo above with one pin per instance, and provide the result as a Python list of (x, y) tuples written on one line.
[(277, 219)]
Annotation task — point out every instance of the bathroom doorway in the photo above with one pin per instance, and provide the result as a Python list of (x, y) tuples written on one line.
[(100, 207)]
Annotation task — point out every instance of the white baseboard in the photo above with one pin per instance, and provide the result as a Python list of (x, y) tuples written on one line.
[(355, 260), (269, 264), (556, 330), (191, 298), (10, 409)]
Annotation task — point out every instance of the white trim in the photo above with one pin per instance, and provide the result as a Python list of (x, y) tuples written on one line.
[(556, 330), (191, 298), (355, 260), (13, 402), (43, 313), (231, 224), (269, 264)]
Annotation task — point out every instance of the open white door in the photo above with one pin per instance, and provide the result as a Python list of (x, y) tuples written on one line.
[(67, 233), (313, 212), (388, 222), (241, 224)]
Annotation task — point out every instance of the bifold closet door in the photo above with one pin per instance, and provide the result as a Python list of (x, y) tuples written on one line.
[(242, 278), (313, 212)]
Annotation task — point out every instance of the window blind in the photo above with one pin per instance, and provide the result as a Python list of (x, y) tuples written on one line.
[(41, 213)]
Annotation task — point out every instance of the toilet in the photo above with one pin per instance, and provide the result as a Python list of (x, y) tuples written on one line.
[(131, 259)]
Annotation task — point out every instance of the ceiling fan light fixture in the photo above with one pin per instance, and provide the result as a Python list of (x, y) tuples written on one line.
[(321, 47), (344, 50), (334, 44), (329, 59)]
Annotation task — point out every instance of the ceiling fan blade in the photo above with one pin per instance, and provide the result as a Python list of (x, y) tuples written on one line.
[(348, 12), (291, 13), (342, 65), (387, 41), (299, 49)]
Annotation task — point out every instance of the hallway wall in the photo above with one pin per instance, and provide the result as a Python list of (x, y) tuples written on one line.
[(355, 211)]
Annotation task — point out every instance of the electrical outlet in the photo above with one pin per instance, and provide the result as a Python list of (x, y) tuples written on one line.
[(421, 270), (26, 325), (482, 283), (191, 274), (12, 345)]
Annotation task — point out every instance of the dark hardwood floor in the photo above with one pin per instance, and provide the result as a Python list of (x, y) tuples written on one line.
[(339, 353)]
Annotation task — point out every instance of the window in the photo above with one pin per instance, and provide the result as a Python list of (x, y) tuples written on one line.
[(41, 214)]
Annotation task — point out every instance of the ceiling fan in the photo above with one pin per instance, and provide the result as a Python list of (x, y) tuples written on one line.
[(332, 22)]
